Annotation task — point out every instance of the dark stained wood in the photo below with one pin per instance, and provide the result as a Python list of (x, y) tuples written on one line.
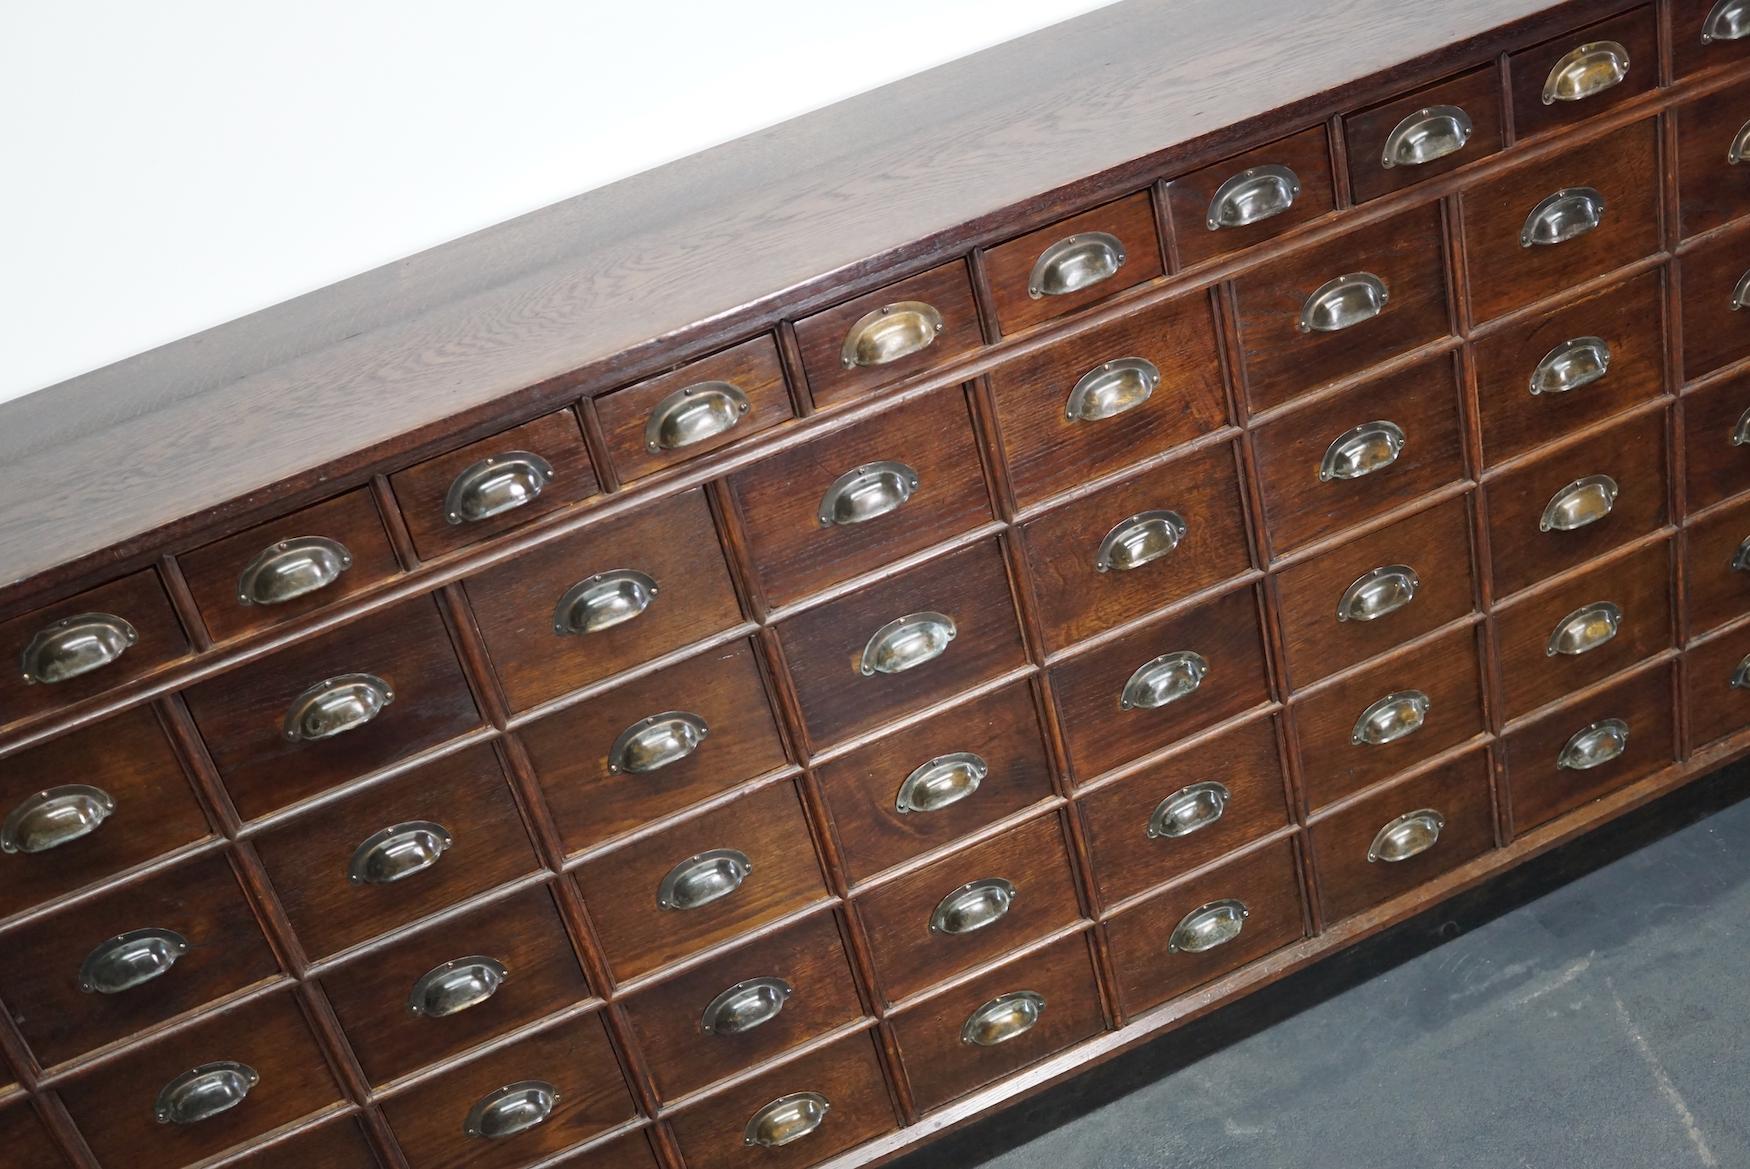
[(631, 1151), (1715, 468), (337, 1144), (1713, 332), (1130, 220), (1715, 705), (947, 289), (1689, 54), (27, 1143), (1306, 153), (1529, 69), (1477, 93), (1713, 189), (1718, 593)]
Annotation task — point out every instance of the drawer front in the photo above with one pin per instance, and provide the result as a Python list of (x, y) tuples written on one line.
[(929, 925), (714, 897), (1115, 554), (887, 487), (1716, 688), (718, 1018), (1402, 836), (1623, 62), (904, 329), (1718, 591), (26, 1141), (1693, 44), (1360, 454), (1713, 324), (403, 653), (1205, 799), (445, 988), (631, 1151), (1182, 674), (927, 784), (1332, 310), (1289, 179), (1713, 183), (1074, 262), (1716, 466), (338, 1144), (1506, 273), (397, 827), (1437, 128)]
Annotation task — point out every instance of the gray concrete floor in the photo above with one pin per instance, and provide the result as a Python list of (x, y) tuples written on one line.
[(1587, 1011)]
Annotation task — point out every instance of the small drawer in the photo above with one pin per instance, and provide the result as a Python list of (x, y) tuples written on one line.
[(924, 785), (516, 1105), (1705, 33), (1717, 460), (1565, 372), (291, 566), (1714, 281), (1363, 453), (1074, 262), (903, 644), (335, 707), (1389, 716), (999, 1022), (443, 989), (700, 407), (133, 802), (857, 498), (337, 1144), (1576, 501), (1716, 688), (1716, 568), (826, 1102), (1207, 925), (27, 1143), (655, 745), (1438, 128), (1207, 798), (1109, 397), (745, 1007), (702, 881), (397, 851), (1590, 748), (1251, 197), (1713, 146), (903, 329), (131, 959), (970, 907), (1112, 555), (1538, 229), (1404, 835), (1583, 73), (1376, 591), (630, 1151), (1167, 680)]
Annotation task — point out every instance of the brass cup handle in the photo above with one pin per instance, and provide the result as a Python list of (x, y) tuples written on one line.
[(744, 1006), (1398, 715), (704, 878), (1190, 809), (512, 1109), (1741, 429), (1571, 365), (496, 485), (1164, 680), (1741, 674), (891, 333), (130, 959), (1727, 20), (1594, 745), (1584, 630), (973, 906), (1140, 539), (1344, 302), (786, 1119), (1111, 388), (1008, 1016), (1741, 293), (1739, 150), (1566, 215), (335, 706), (1582, 502), (1741, 558), (1208, 926), (866, 493), (74, 646), (906, 643), (291, 569), (602, 601), (1074, 263), (1252, 196), (694, 414), (398, 852), (1428, 134), (1367, 448), (56, 816), (1585, 71), (454, 986), (1411, 834), (656, 741), (204, 1092), (942, 781), (1378, 593)]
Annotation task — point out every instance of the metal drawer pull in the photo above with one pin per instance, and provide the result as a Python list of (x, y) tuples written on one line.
[(1253, 196), (1111, 389), (867, 492), (1586, 71), (1008, 1016), (701, 879), (1571, 365), (1164, 680), (1594, 745), (1426, 135), (335, 706), (1741, 293), (1568, 214), (1728, 20), (495, 485), (1584, 630), (907, 642), (973, 906), (744, 1006), (786, 1119), (1074, 263), (129, 960), (513, 1109), (1378, 593), (291, 569), (1741, 675), (1584, 501), (74, 646), (202, 1093), (397, 852), (1343, 302), (653, 743), (1209, 926), (603, 601), (1411, 834), (891, 332), (1740, 148), (1741, 430), (57, 816), (694, 414), (1741, 558), (456, 985), (944, 780), (1141, 539), (1188, 810), (1362, 451), (1396, 716)]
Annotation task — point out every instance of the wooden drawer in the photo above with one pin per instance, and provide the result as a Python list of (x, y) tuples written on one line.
[(702, 406), (648, 582), (779, 874), (1636, 583), (1191, 199), (882, 818), (1716, 467), (338, 1144), (714, 1133), (572, 1060), (827, 648), (906, 328), (1376, 847), (1541, 788), (631, 1151), (623, 758), (1713, 187), (805, 963), (404, 652), (1528, 505), (1353, 732), (1293, 335), (1613, 346), (1506, 273), (891, 485), (1074, 262), (1402, 142), (375, 995), (203, 929), (1542, 77), (1690, 24), (1055, 438), (1718, 592), (1302, 456), (1152, 969), (1100, 731), (1206, 798), (311, 858), (1115, 554), (126, 758), (1021, 877), (942, 1063), (27, 1143), (1717, 703), (1713, 327)]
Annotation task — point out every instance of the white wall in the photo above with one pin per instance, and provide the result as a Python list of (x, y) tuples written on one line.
[(165, 167)]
